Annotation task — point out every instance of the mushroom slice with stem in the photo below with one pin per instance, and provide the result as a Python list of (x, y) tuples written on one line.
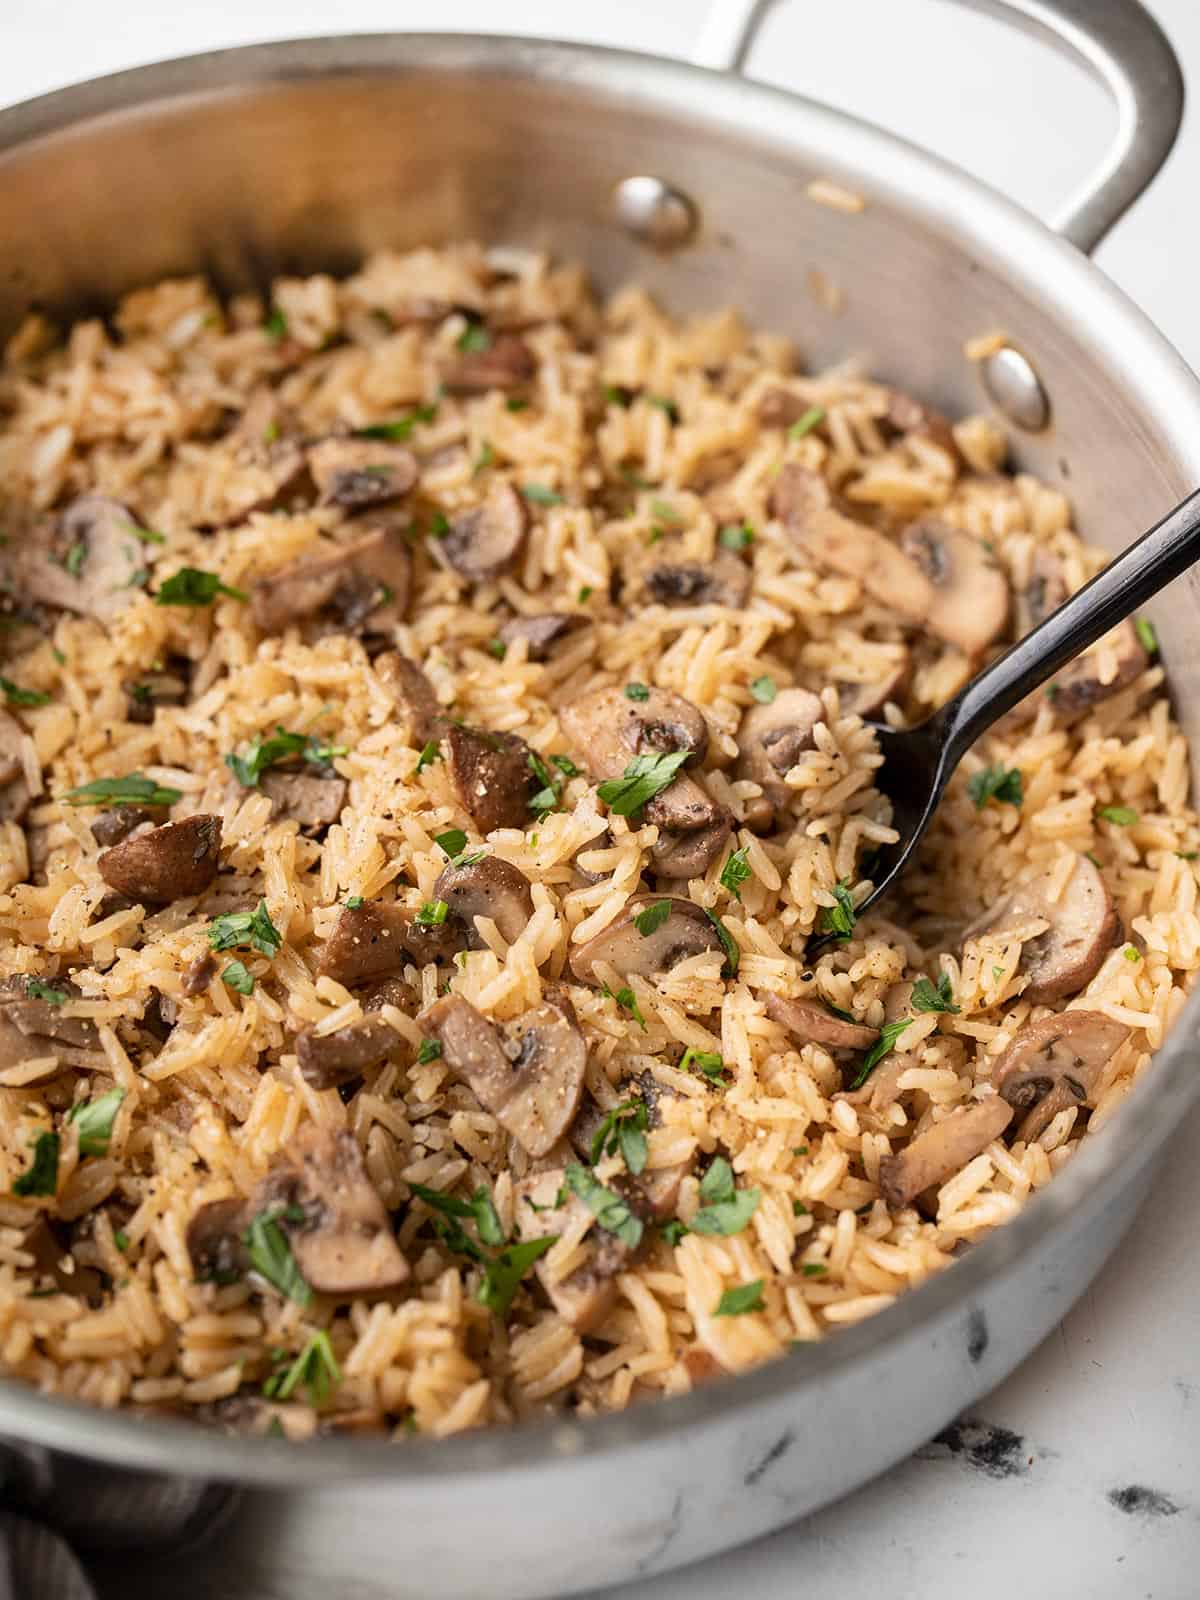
[(1083, 927), (1060, 1055), (772, 738), (543, 632), (492, 775), (368, 577), (168, 863), (507, 362), (214, 1241), (722, 580), (971, 597), (685, 931), (487, 887), (943, 1149), (361, 472), (487, 539), (302, 797), (329, 1059), (89, 563), (413, 694), (343, 1244), (809, 1020), (584, 1298), (528, 1075)]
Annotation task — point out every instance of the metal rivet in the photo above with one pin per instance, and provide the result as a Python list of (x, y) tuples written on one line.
[(654, 212), (1015, 388)]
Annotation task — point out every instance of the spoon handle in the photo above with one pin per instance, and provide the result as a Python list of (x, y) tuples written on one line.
[(1147, 566)]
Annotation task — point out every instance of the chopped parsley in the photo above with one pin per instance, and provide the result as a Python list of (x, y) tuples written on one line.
[(633, 477), (429, 754), (191, 586), (134, 790), (812, 418), (546, 797), (650, 918), (38, 989), (814, 1269), (627, 1000), (16, 696), (283, 746), (485, 458), (352, 902), (253, 928), (433, 913), (643, 778), (237, 976), (121, 1240), (665, 511), (497, 648), (74, 559), (1121, 816), (94, 1120), (1132, 953), (886, 1042), (540, 495), (616, 396), (726, 1209), (315, 1370), (736, 536), (41, 1177), (1184, 855), (736, 1302), (566, 766), (502, 1272), (516, 403), (663, 404), (1002, 784), (1146, 634), (439, 525), (636, 691), (271, 1254), (146, 535), (452, 843), (839, 919), (763, 689), (673, 1231), (735, 872), (609, 1210), (474, 338), (430, 1050), (930, 997), (623, 1129), (276, 325), (585, 594), (709, 1062), (400, 428), (728, 943)]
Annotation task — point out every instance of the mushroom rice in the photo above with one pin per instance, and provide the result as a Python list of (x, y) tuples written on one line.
[(437, 785)]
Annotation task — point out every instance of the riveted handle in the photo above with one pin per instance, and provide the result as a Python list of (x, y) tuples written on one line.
[(1118, 40)]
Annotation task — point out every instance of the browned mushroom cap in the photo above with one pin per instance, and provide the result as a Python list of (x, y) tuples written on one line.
[(329, 1059), (687, 931), (301, 797), (52, 1259), (214, 1241), (361, 472), (773, 737), (542, 633), (970, 591), (910, 416), (344, 1244), (611, 729), (721, 581), (110, 827), (942, 1150), (1071, 1048), (488, 887), (530, 1077), (370, 574), (809, 1020), (413, 693), (545, 1207), (1079, 687), (1044, 593), (1084, 926), (32, 1026), (368, 941), (487, 540), (492, 776), (801, 500), (684, 852), (178, 859), (867, 700), (88, 565), (156, 689), (507, 363)]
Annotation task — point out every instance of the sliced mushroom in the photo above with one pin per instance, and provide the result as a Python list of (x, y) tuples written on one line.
[(530, 1076), (168, 863), (368, 577), (907, 415), (344, 1243), (970, 590), (1083, 927), (1070, 1049), (685, 853), (88, 564), (34, 1017), (488, 887), (413, 693), (779, 408), (686, 931), (801, 500), (376, 939), (168, 688), (487, 540), (110, 827), (52, 1259), (868, 699), (1044, 593), (361, 472), (545, 1207), (1079, 687), (773, 737), (543, 632), (302, 797), (811, 1021), (266, 437), (507, 363), (492, 776), (329, 1059), (214, 1241), (15, 796), (721, 581), (198, 975), (943, 1149)]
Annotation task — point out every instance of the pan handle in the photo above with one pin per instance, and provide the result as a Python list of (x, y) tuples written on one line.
[(1118, 40)]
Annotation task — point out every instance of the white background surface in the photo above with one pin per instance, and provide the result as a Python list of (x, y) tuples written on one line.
[(1113, 1398)]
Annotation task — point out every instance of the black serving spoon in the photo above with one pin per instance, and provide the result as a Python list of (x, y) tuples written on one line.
[(919, 762)]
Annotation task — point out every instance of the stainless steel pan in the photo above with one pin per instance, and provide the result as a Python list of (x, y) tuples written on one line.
[(305, 155)]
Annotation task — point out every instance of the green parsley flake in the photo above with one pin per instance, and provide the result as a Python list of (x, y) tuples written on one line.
[(812, 418), (615, 396), (439, 525), (1132, 953), (627, 1000), (663, 404), (516, 403), (709, 1062), (839, 918), (433, 913), (623, 1129), (399, 429), (673, 1231), (37, 989), (121, 1240), (1120, 816), (429, 754), (276, 325), (503, 1273), (146, 535), (16, 696), (452, 843), (41, 1177), (352, 902), (430, 1050), (735, 872), (927, 997), (474, 339), (134, 790), (546, 797), (74, 559), (585, 594), (636, 691), (736, 536), (763, 689), (253, 928), (643, 778), (728, 943), (814, 1269), (540, 495), (566, 766), (485, 458), (609, 1210), (271, 1254), (237, 976), (726, 1209), (886, 1041), (1002, 784), (497, 648), (315, 1370), (736, 1302), (191, 586), (650, 918), (283, 746), (1147, 635), (94, 1120), (665, 511)]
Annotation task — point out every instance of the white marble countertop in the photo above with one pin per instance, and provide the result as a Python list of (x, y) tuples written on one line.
[(1080, 1476)]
